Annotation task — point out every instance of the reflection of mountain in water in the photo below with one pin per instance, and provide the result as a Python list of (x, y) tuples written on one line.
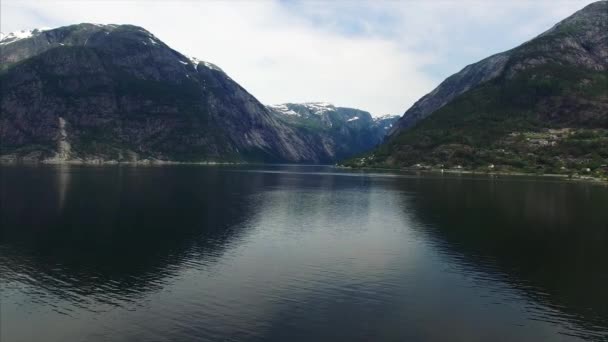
[(121, 230), (546, 239), (232, 253)]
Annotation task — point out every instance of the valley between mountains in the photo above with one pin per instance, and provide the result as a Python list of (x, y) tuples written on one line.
[(91, 93)]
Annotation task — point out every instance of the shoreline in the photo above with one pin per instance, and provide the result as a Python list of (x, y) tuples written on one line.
[(574, 178), (101, 162), (156, 162)]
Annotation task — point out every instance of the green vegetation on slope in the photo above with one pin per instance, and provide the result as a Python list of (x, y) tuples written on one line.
[(494, 125)]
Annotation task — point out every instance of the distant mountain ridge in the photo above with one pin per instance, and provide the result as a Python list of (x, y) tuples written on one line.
[(99, 93), (340, 132), (540, 107)]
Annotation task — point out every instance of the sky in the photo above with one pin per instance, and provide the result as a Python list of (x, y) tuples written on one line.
[(379, 56)]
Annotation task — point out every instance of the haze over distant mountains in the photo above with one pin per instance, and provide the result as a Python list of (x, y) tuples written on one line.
[(339, 132), (93, 93)]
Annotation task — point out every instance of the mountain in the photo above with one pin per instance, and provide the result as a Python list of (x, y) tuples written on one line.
[(334, 132), (542, 107), (92, 92)]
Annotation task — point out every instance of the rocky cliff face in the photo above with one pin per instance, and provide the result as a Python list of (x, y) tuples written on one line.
[(540, 107), (334, 132), (579, 41), (116, 92)]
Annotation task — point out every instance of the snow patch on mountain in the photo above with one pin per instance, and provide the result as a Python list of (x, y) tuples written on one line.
[(385, 117), (195, 61), (212, 66), (386, 121), (18, 35), (353, 119), (303, 109), (319, 108), (283, 109)]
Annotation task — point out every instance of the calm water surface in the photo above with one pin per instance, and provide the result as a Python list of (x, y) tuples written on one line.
[(186, 253)]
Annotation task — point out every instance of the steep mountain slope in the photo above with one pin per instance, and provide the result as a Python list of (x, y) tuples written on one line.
[(116, 92), (334, 132), (542, 106), (578, 41)]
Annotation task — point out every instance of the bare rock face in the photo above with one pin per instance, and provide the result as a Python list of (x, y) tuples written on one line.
[(116, 92), (580, 40)]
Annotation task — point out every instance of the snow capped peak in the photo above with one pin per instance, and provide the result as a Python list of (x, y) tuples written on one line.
[(18, 35), (303, 109), (14, 36)]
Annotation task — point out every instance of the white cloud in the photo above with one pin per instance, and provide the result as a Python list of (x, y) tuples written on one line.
[(375, 56)]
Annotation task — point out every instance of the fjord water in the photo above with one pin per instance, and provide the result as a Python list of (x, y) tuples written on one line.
[(180, 253)]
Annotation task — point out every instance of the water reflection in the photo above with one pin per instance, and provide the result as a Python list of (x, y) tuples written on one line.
[(234, 253), (123, 230), (547, 239), (63, 181)]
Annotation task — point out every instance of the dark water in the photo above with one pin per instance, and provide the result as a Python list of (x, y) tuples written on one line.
[(194, 253)]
